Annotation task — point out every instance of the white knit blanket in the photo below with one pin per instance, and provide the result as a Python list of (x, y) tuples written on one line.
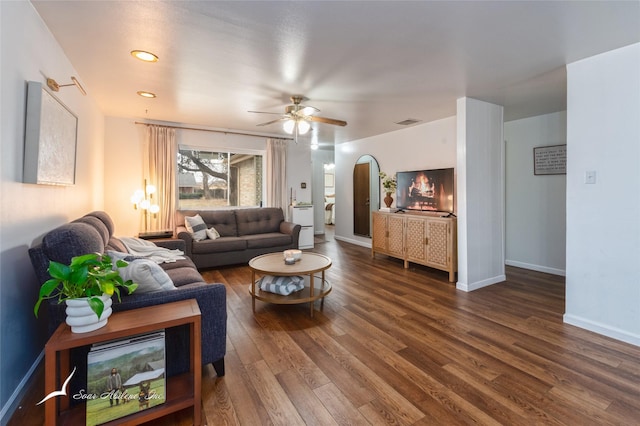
[(148, 250)]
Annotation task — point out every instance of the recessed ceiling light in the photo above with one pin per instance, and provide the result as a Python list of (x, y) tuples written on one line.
[(146, 94), (144, 56)]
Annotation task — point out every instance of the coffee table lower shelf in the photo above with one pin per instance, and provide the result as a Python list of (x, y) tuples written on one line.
[(302, 296)]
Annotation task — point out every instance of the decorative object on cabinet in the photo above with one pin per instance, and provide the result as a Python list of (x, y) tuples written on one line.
[(419, 238), (390, 185)]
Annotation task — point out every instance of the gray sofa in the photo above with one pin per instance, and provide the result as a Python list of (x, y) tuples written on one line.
[(94, 233), (244, 234)]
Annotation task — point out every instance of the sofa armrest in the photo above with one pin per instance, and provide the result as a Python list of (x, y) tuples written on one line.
[(292, 229), (171, 243), (183, 234)]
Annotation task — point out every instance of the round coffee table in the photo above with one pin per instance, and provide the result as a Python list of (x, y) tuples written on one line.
[(308, 265)]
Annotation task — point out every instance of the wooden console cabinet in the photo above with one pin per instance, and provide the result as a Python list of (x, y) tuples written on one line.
[(419, 238), (183, 391)]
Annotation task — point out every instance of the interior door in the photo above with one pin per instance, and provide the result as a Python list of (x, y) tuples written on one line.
[(361, 200)]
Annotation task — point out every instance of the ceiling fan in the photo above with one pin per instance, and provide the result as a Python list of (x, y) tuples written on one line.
[(296, 117)]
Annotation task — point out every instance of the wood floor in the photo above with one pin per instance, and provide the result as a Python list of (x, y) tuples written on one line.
[(404, 347)]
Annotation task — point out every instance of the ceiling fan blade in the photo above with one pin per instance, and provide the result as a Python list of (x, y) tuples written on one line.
[(270, 122), (327, 120), (264, 112), (308, 110)]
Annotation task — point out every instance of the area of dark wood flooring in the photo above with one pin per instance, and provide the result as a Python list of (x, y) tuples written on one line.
[(404, 347)]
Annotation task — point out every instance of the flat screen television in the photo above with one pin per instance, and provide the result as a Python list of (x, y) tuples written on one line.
[(425, 190)]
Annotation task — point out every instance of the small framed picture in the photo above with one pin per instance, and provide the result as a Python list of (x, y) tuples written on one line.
[(328, 180), (550, 160)]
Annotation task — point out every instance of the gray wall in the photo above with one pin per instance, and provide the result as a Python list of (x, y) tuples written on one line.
[(29, 52)]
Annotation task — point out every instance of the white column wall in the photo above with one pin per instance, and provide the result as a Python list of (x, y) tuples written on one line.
[(480, 197), (603, 219)]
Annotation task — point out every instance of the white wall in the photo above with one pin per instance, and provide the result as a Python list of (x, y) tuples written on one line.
[(535, 205), (29, 52), (124, 173), (480, 166), (603, 219), (426, 146)]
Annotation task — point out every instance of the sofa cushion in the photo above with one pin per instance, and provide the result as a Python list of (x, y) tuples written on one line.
[(212, 233), (149, 276), (96, 224), (272, 239), (223, 220), (183, 276), (183, 263), (70, 240), (116, 244), (259, 221), (219, 245), (196, 227)]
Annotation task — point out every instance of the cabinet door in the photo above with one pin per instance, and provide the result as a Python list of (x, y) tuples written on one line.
[(416, 242), (379, 235), (438, 245), (395, 227)]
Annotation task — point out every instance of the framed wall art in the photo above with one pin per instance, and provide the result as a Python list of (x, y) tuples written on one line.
[(328, 180), (50, 139), (550, 160)]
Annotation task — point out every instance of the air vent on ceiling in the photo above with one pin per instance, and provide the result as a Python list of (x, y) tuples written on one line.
[(408, 122)]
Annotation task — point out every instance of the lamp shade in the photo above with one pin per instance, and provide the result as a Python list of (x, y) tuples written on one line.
[(288, 126), (303, 127)]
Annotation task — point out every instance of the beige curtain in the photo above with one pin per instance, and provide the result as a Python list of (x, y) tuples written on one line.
[(161, 155), (277, 174)]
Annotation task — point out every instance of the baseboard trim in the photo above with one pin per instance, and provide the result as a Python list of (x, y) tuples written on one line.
[(352, 241), (604, 329), (12, 403), (479, 284), (539, 268)]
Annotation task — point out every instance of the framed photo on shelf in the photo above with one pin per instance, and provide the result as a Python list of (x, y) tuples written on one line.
[(125, 376)]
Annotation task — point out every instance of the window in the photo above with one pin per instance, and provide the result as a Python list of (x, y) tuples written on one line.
[(209, 180)]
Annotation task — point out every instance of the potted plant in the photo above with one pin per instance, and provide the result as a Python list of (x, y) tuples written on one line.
[(389, 184), (88, 281)]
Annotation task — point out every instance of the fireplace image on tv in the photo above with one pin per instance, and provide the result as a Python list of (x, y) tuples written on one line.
[(425, 190)]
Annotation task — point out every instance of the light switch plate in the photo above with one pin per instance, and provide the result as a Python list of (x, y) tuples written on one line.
[(590, 177)]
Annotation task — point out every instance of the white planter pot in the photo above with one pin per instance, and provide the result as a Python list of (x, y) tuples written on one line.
[(82, 319)]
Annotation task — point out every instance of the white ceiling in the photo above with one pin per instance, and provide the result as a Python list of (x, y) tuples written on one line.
[(371, 64)]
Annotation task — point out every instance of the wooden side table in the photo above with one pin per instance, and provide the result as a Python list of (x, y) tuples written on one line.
[(183, 390)]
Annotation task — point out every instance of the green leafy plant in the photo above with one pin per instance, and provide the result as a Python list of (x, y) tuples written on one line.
[(89, 275), (389, 183)]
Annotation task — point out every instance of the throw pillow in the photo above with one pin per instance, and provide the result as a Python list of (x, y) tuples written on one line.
[(196, 227), (149, 276), (281, 285), (212, 234)]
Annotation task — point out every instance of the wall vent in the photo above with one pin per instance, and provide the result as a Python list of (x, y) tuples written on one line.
[(408, 122)]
